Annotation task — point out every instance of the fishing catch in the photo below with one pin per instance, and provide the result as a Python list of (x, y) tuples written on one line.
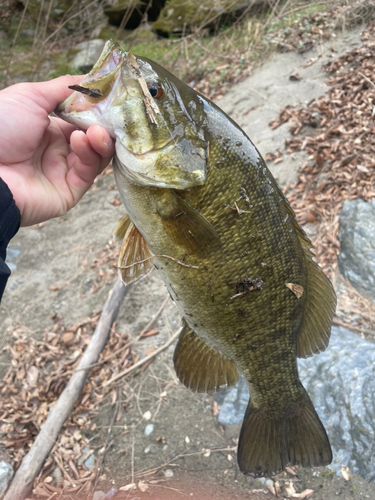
[(204, 210)]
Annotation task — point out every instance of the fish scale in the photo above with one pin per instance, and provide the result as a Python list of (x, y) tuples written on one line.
[(205, 211)]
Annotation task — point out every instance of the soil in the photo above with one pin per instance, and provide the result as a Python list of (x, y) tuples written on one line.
[(187, 454)]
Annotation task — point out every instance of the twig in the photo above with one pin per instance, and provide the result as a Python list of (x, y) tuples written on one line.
[(142, 361), (366, 78), (34, 460), (106, 445), (153, 257), (124, 347), (337, 322)]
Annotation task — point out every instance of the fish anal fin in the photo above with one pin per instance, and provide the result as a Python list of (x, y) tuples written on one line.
[(269, 442), (320, 308), (200, 367), (135, 259), (121, 228), (186, 226)]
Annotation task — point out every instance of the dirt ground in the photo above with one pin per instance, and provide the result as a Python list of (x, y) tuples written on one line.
[(167, 437)]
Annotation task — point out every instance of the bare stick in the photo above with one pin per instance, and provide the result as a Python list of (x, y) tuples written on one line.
[(141, 362), (32, 463), (354, 328)]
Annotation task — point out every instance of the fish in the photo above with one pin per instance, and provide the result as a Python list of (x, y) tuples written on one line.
[(204, 210)]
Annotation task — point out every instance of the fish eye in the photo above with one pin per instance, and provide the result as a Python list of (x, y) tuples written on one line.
[(155, 90)]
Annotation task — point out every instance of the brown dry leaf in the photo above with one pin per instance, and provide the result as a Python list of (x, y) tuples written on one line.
[(345, 471), (303, 495), (115, 202), (128, 487), (67, 338), (143, 486), (290, 470), (215, 408), (296, 289), (54, 288), (289, 488), (32, 376)]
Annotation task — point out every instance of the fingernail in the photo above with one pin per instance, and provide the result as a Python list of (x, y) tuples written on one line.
[(107, 141)]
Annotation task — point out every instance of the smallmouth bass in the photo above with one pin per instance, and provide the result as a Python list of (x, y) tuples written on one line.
[(203, 209)]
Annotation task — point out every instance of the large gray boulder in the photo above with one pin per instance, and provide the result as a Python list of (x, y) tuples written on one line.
[(88, 54), (357, 239), (6, 474), (341, 384)]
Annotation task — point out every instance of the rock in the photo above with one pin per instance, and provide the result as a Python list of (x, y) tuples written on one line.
[(180, 16), (233, 402), (341, 384), (6, 474), (134, 12), (98, 495), (88, 54), (357, 239), (149, 429)]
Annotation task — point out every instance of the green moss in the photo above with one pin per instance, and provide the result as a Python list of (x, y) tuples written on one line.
[(182, 15)]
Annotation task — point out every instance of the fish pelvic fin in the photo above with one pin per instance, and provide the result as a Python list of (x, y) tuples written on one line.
[(135, 259), (186, 226), (200, 367), (269, 443), (320, 308)]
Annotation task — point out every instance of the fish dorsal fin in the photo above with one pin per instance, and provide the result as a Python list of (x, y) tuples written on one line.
[(121, 228), (135, 259), (320, 305), (186, 226), (200, 367)]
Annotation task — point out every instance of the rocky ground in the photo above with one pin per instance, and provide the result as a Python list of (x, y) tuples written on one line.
[(166, 442)]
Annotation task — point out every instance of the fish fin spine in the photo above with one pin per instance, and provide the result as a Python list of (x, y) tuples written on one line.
[(269, 443), (200, 367), (135, 259)]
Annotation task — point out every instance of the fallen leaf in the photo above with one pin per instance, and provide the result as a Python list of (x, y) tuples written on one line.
[(345, 472), (147, 415), (215, 408), (32, 376), (143, 486), (296, 289), (128, 487), (303, 495)]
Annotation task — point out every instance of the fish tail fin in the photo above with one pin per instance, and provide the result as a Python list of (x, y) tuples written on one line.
[(269, 443)]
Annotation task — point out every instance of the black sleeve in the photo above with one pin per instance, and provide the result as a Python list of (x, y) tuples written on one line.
[(10, 219)]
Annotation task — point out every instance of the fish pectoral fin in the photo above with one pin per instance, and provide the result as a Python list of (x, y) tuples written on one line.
[(186, 226), (135, 259), (200, 367), (320, 308), (269, 442), (121, 228)]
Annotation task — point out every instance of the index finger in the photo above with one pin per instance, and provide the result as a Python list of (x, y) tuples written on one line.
[(49, 94)]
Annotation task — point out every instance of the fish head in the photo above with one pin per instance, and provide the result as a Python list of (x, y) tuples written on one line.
[(156, 120)]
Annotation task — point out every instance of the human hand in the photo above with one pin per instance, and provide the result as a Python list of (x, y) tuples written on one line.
[(47, 163)]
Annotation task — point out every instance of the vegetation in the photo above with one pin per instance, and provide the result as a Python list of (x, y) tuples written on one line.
[(211, 45)]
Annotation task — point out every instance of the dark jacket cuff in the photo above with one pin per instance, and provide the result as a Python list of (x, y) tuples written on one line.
[(10, 219)]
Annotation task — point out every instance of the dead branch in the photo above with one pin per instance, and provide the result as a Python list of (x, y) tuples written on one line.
[(32, 463)]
